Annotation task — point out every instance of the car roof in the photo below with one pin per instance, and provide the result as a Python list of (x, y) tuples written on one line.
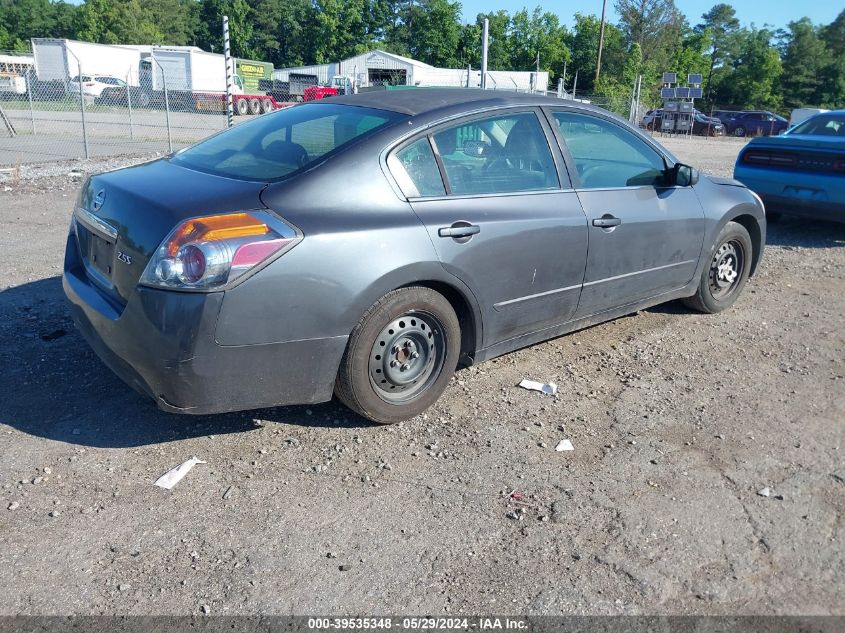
[(417, 101)]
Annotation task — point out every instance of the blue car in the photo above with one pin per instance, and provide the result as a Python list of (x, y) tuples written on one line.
[(801, 172)]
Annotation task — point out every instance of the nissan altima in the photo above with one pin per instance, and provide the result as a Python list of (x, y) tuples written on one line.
[(365, 246)]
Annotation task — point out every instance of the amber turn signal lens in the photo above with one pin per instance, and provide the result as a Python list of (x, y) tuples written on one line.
[(216, 227)]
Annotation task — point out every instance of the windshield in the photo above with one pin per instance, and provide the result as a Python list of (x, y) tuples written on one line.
[(822, 125), (276, 145)]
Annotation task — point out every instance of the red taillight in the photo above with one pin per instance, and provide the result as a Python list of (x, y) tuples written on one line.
[(763, 157), (839, 165)]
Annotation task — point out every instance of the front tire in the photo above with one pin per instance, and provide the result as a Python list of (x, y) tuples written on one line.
[(727, 271), (400, 356)]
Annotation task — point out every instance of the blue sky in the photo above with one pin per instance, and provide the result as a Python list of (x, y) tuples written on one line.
[(777, 13)]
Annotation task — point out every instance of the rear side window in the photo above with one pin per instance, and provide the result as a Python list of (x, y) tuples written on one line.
[(279, 144), (418, 162)]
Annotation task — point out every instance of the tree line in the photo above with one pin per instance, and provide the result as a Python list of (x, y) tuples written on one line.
[(743, 66)]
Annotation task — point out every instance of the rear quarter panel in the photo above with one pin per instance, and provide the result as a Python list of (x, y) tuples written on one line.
[(360, 242)]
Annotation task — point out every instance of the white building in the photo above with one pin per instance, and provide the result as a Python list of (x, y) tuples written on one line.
[(378, 67)]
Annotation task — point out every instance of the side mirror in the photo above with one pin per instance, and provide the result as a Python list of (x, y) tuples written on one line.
[(684, 175), (476, 149)]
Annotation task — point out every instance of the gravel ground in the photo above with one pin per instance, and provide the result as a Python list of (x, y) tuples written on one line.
[(678, 421)]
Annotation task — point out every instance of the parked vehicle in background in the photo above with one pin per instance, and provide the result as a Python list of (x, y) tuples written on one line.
[(238, 273), (12, 84), (704, 125), (648, 121), (802, 114), (756, 123), (725, 115), (61, 59), (801, 172), (93, 85)]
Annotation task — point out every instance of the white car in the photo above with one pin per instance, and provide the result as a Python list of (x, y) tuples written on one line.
[(93, 85), (11, 83)]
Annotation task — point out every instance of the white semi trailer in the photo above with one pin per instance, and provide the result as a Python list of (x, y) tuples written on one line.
[(62, 59)]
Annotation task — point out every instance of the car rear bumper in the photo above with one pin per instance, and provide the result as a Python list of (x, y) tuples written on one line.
[(796, 193), (832, 211), (162, 343)]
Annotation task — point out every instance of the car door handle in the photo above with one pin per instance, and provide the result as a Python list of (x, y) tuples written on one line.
[(459, 230), (606, 222)]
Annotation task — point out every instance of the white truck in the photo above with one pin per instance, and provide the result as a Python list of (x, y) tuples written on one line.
[(61, 60), (200, 77)]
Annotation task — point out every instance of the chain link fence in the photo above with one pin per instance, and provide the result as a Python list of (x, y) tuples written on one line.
[(67, 111), (81, 114)]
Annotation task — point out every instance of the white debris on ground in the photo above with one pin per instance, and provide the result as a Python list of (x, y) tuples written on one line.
[(548, 388), (564, 445), (173, 476)]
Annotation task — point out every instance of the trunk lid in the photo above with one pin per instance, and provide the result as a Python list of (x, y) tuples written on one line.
[(124, 215)]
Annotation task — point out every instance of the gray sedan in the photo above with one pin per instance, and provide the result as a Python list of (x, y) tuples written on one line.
[(366, 246)]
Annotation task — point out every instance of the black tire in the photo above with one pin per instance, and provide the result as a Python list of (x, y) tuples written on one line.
[(266, 106), (254, 106), (242, 107), (739, 131), (730, 256), (413, 320)]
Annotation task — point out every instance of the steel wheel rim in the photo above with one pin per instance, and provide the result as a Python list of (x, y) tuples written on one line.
[(407, 357), (726, 268)]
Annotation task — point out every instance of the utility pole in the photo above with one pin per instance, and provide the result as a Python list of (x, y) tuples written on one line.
[(485, 34), (601, 39)]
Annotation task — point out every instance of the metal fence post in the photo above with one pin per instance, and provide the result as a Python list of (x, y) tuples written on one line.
[(166, 111), (166, 102), (31, 109), (129, 104), (82, 106)]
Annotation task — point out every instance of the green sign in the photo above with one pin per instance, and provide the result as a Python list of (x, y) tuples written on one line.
[(250, 72)]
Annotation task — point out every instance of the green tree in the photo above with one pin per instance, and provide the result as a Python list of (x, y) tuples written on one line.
[(21, 20), (833, 82), (340, 30), (584, 46), (498, 41), (538, 33), (754, 82), (653, 24), (283, 30), (806, 56), (209, 34), (434, 28), (720, 27), (117, 22)]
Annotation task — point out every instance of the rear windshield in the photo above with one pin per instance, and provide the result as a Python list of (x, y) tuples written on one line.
[(822, 125), (279, 144)]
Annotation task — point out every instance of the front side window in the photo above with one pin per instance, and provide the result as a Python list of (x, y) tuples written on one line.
[(608, 156), (498, 154), (276, 145)]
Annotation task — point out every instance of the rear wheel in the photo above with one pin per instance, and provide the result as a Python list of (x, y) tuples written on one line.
[(266, 106), (254, 106), (400, 356), (740, 131), (725, 275), (242, 107)]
